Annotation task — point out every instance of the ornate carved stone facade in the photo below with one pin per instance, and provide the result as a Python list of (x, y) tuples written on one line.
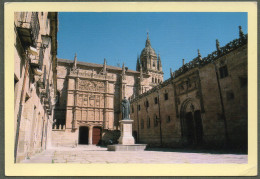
[(90, 98)]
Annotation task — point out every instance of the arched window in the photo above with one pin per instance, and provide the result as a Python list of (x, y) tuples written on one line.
[(142, 123), (153, 80), (155, 121), (148, 122)]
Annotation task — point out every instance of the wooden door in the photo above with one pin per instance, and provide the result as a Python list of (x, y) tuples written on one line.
[(96, 137)]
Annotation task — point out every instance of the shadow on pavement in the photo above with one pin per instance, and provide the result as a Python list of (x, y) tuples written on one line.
[(199, 150)]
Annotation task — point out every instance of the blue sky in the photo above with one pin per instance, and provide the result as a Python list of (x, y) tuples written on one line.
[(120, 37)]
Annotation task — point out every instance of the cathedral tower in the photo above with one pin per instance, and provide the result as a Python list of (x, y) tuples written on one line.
[(150, 63)]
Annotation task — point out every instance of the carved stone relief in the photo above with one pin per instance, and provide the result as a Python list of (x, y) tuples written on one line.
[(91, 85), (186, 85)]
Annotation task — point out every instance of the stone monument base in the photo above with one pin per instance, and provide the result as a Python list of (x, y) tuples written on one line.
[(126, 137), (126, 140), (120, 147)]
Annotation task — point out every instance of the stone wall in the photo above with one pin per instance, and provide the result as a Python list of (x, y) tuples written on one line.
[(200, 105), (34, 81)]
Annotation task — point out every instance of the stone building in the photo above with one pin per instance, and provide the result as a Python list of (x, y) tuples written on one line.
[(203, 103), (88, 109), (35, 35)]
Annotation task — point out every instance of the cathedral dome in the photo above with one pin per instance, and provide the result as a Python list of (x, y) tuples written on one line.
[(148, 48)]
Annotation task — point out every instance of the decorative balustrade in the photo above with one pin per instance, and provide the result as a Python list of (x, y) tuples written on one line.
[(197, 62), (58, 127), (90, 75)]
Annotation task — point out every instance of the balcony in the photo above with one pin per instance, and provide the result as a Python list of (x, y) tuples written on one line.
[(36, 61), (46, 103), (49, 111), (41, 82), (44, 93), (28, 28)]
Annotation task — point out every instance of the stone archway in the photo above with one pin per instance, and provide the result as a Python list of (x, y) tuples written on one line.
[(191, 123)]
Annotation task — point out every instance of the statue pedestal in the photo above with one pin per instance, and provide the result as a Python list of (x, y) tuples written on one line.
[(126, 137), (126, 140)]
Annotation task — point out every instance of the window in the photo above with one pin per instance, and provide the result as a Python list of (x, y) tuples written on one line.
[(139, 107), (152, 80), (153, 64), (243, 81), (148, 122), (147, 104), (168, 119), (166, 96), (155, 121), (230, 95), (142, 123), (155, 100), (223, 72), (132, 109)]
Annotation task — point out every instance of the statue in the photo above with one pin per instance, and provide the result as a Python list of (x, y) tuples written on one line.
[(125, 109)]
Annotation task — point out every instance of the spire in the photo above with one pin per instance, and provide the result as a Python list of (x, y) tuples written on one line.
[(123, 69), (171, 73), (217, 45), (199, 55), (141, 73), (138, 63), (148, 43), (105, 66), (75, 62), (159, 66), (241, 33)]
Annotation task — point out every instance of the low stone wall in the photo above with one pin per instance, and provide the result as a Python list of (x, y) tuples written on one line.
[(64, 138)]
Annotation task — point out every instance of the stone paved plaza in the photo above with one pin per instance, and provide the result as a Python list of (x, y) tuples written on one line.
[(94, 154)]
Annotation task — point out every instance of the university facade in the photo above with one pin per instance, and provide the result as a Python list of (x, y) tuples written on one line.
[(60, 102), (90, 95)]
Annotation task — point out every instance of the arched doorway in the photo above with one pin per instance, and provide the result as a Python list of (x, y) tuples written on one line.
[(83, 135), (191, 123), (96, 137)]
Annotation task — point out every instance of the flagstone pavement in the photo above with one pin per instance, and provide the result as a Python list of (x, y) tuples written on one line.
[(95, 154)]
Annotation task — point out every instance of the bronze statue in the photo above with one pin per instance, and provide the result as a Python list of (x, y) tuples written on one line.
[(125, 109)]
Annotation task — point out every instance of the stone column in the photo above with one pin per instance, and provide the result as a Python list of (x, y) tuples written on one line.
[(90, 133)]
